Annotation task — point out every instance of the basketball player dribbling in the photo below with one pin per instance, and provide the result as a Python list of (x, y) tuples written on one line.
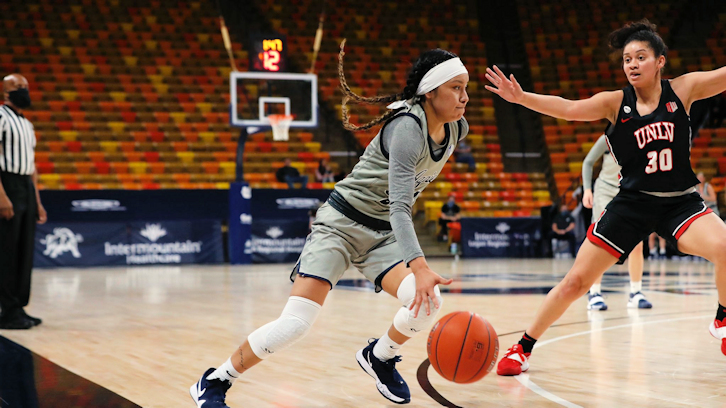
[(649, 136), (606, 188), (367, 223)]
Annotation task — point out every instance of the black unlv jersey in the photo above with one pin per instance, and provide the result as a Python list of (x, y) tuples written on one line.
[(653, 150)]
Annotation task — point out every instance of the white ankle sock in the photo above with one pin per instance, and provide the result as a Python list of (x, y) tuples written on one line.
[(636, 287), (386, 348), (662, 251), (225, 372), (595, 289)]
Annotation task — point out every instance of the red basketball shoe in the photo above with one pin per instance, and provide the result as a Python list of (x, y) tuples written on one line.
[(718, 330), (516, 361)]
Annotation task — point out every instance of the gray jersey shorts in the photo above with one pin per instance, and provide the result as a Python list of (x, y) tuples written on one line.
[(336, 242), (604, 193)]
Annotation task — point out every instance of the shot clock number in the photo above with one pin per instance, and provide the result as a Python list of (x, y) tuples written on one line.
[(270, 53)]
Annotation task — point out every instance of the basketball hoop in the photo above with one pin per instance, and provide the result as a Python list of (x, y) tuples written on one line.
[(280, 126)]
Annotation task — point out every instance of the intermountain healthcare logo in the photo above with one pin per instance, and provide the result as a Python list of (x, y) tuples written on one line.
[(502, 227), (153, 232), (153, 253), (484, 240), (275, 245), (60, 241), (274, 232)]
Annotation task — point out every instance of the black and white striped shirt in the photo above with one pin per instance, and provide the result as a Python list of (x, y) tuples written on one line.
[(17, 143)]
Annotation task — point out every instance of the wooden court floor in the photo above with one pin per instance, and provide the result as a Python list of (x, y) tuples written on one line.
[(147, 333)]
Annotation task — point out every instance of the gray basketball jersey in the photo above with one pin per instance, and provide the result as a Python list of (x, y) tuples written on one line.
[(366, 187), (610, 172)]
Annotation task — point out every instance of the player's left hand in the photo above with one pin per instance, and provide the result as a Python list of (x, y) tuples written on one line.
[(508, 89)]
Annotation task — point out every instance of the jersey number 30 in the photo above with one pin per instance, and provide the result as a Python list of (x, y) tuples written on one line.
[(662, 161)]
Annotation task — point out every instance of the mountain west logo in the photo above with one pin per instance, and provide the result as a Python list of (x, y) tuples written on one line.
[(502, 227), (60, 241), (274, 232), (153, 232)]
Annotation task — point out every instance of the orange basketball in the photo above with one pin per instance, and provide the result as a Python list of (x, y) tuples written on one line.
[(463, 347)]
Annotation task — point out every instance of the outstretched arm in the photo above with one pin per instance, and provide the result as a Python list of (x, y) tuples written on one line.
[(604, 105), (695, 86)]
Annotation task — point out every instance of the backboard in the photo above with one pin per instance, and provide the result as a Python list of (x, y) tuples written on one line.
[(256, 95)]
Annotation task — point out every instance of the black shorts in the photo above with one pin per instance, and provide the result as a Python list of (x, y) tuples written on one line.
[(631, 216)]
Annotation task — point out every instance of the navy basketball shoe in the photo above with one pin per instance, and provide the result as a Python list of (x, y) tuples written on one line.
[(595, 301), (388, 381), (638, 301), (209, 393)]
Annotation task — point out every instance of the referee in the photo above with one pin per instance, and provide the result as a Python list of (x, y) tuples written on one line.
[(20, 206)]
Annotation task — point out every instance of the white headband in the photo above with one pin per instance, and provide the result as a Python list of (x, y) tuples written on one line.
[(433, 79)]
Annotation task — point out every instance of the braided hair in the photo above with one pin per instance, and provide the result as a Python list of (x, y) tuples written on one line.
[(423, 64)]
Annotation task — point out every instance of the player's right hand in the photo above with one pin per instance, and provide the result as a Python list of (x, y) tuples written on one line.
[(508, 88), (587, 198), (426, 280), (6, 207)]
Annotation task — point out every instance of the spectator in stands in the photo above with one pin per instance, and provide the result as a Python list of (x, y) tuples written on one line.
[(449, 213), (463, 155), (290, 175), (705, 189), (20, 206), (562, 228), (324, 174)]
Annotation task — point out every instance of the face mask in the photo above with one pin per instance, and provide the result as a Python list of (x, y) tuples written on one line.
[(20, 98)]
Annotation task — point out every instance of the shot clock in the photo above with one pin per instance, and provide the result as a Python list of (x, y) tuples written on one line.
[(269, 53)]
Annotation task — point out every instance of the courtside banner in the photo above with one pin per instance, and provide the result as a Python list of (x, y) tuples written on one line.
[(134, 205), (240, 224), (280, 223), (278, 241), (135, 243), (500, 237)]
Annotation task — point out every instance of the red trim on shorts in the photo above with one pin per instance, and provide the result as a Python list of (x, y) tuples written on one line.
[(689, 222), (602, 244)]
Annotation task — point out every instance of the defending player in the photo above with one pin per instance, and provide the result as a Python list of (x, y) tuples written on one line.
[(650, 138), (367, 223), (606, 188)]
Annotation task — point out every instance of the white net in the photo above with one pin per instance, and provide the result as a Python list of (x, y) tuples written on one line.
[(280, 127)]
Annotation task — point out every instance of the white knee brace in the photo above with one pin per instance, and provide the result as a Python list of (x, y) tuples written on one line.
[(404, 321), (293, 324)]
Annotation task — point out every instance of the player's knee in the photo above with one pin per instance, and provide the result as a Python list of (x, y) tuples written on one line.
[(293, 324), (406, 292), (573, 286), (718, 254), (404, 321)]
